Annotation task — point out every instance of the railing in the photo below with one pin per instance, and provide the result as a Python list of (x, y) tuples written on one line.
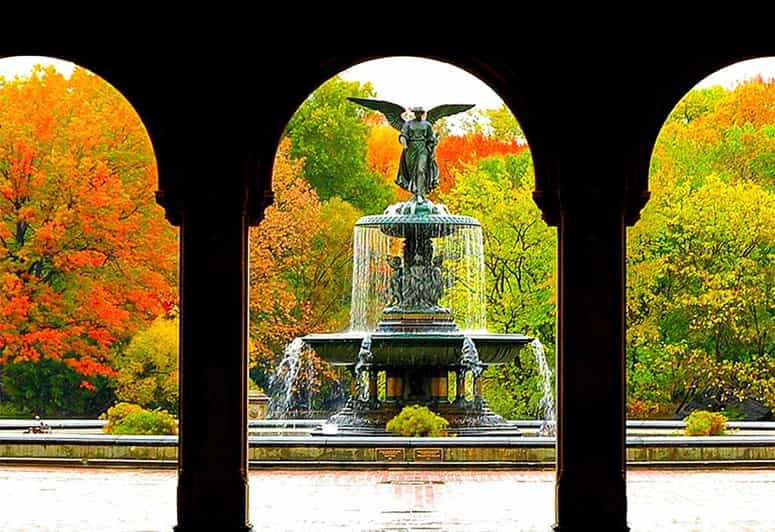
[(72, 424)]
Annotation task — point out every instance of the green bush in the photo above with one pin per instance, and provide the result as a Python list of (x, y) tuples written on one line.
[(732, 413), (417, 420), (52, 389), (128, 418), (704, 423)]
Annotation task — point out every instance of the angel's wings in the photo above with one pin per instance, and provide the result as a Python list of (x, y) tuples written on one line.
[(392, 111), (440, 111)]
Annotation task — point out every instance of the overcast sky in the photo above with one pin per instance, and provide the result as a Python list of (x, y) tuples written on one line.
[(411, 81)]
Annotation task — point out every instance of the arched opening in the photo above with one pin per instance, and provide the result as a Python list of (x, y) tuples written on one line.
[(88, 265), (700, 321), (699, 267), (337, 162)]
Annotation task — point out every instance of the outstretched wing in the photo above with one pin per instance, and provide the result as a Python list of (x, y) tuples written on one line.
[(392, 111), (441, 111)]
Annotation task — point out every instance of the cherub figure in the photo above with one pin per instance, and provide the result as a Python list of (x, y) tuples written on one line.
[(396, 288)]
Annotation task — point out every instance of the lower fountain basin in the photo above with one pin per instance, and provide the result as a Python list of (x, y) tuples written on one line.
[(416, 348)]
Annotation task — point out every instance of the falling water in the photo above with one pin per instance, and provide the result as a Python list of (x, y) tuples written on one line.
[(284, 384), (461, 250), (546, 405), (465, 289), (370, 277)]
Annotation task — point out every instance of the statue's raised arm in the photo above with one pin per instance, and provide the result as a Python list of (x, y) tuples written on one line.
[(418, 172)]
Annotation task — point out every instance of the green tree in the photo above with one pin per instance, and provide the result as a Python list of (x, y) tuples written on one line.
[(519, 252), (50, 388), (700, 265), (325, 280), (700, 285), (504, 125), (148, 367), (329, 134)]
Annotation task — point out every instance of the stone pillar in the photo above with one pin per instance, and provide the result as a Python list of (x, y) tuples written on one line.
[(590, 484), (460, 389), (212, 453), (372, 386), (439, 390), (477, 386), (394, 385)]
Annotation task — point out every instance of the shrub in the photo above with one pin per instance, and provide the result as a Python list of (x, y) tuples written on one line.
[(417, 420), (117, 413), (704, 423), (128, 418), (642, 409)]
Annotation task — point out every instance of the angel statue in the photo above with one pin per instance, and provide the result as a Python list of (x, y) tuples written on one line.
[(418, 172)]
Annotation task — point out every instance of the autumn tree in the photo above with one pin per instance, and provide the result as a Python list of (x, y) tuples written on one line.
[(300, 271), (329, 135), (86, 257), (727, 133), (700, 271), (454, 152), (383, 153), (503, 125)]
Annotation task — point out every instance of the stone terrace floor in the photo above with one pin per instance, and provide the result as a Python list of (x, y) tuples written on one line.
[(53, 499)]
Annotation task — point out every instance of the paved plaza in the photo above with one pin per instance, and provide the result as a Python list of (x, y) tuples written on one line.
[(63, 500)]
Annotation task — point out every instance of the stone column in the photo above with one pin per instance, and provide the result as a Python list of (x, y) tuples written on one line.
[(477, 386), (394, 385), (590, 484), (460, 391), (212, 453), (373, 386)]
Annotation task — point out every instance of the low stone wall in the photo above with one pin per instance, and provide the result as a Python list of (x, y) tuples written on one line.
[(161, 451), (94, 449)]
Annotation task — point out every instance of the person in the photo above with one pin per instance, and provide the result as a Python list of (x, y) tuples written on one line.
[(417, 170)]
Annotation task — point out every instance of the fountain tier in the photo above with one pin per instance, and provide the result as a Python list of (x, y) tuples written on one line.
[(417, 318), (415, 349)]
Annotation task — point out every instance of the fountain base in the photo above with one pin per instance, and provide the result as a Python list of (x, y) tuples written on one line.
[(415, 367), (466, 418)]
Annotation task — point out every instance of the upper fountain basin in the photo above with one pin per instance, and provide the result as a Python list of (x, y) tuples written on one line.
[(406, 225), (416, 348)]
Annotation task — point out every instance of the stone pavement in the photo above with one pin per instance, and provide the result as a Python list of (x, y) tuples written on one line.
[(63, 500)]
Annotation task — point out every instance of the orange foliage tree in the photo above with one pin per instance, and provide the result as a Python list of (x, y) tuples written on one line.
[(455, 152), (279, 245), (86, 257), (383, 152), (300, 271)]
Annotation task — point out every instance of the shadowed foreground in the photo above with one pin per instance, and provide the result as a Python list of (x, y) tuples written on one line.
[(130, 500)]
